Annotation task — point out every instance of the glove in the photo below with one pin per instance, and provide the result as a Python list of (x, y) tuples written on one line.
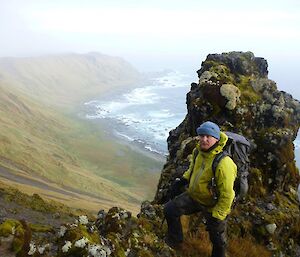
[(214, 224), (177, 187)]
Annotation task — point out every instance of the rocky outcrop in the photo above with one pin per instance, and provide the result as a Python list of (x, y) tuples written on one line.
[(235, 92), (113, 233)]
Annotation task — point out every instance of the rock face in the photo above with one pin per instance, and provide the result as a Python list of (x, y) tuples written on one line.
[(234, 91)]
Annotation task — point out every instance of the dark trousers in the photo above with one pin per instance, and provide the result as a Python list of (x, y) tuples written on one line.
[(185, 205)]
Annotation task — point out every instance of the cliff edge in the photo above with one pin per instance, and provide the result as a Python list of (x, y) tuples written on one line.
[(234, 91)]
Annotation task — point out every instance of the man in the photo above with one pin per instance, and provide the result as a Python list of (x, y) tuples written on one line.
[(199, 196)]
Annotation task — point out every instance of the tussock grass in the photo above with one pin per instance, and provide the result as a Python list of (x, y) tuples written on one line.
[(198, 244)]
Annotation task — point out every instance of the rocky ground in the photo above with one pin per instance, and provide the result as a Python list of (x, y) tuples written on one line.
[(233, 91), (31, 226)]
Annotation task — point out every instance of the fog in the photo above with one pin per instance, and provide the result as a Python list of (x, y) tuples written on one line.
[(154, 35)]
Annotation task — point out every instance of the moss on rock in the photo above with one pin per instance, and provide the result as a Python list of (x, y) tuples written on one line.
[(235, 92)]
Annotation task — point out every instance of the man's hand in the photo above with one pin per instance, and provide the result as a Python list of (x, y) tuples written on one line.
[(177, 187), (214, 224)]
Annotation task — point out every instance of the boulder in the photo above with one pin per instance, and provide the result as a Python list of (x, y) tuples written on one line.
[(234, 91)]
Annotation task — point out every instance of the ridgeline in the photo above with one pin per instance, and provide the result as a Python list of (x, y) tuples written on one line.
[(235, 92), (47, 148)]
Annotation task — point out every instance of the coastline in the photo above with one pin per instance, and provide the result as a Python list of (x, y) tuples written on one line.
[(106, 129), (109, 127)]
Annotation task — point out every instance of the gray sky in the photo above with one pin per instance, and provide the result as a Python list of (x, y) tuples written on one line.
[(158, 34)]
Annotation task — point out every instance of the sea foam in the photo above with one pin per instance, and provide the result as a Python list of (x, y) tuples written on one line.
[(145, 115)]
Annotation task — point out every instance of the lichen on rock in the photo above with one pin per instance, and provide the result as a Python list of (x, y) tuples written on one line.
[(232, 94), (207, 76), (234, 91)]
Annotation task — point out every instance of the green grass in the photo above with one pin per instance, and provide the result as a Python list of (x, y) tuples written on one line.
[(59, 147)]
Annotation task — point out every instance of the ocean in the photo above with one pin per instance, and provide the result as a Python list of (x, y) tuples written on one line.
[(144, 116)]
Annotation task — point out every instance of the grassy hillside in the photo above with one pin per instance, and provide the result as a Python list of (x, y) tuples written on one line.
[(67, 79), (41, 144)]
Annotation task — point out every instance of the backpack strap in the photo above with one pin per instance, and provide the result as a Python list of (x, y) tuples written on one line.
[(212, 186), (215, 163), (217, 160)]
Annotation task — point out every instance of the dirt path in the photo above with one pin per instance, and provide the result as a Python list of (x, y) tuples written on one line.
[(66, 195), (71, 197), (5, 173)]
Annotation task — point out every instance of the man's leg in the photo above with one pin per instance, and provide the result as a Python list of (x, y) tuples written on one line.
[(181, 205), (217, 235)]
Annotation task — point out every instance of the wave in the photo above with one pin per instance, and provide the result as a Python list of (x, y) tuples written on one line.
[(145, 114), (140, 142), (91, 102), (142, 96), (130, 139), (161, 114), (149, 148), (139, 96), (129, 119), (173, 79)]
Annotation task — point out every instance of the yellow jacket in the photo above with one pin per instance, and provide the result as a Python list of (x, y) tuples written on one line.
[(201, 177)]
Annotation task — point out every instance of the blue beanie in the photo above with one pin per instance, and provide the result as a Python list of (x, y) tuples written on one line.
[(209, 128)]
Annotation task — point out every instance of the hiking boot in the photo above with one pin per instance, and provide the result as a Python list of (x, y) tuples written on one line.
[(173, 244)]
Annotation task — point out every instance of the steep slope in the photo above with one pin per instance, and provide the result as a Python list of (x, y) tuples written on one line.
[(118, 233), (45, 151), (234, 91), (65, 79), (31, 226)]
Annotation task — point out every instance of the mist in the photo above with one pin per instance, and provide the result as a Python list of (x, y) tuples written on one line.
[(156, 36)]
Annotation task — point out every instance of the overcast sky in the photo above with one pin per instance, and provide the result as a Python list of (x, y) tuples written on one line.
[(158, 34)]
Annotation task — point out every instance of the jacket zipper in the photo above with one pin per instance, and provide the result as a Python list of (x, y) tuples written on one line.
[(198, 176)]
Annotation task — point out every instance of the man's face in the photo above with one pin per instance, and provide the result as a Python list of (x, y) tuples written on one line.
[(206, 141)]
